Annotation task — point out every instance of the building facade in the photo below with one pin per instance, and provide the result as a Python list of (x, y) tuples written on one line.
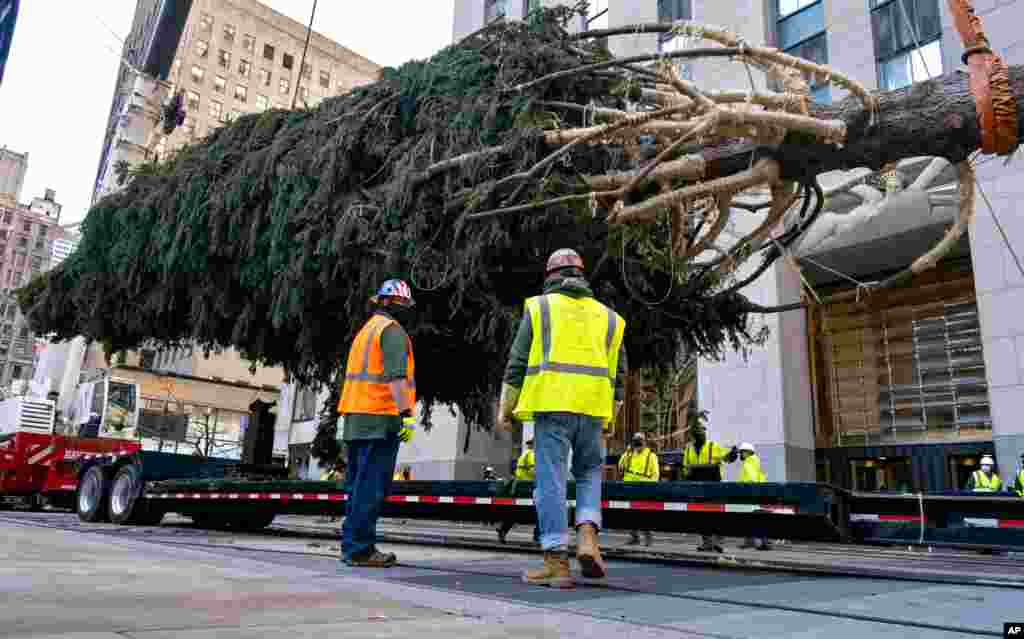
[(65, 243), (27, 233), (227, 58), (907, 390), (13, 167)]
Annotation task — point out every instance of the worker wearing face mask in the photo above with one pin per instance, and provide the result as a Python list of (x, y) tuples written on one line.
[(639, 464), (985, 480)]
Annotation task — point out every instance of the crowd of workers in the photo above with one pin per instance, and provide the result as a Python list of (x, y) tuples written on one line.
[(565, 374)]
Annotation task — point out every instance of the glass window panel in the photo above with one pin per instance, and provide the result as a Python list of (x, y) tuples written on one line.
[(802, 25), (787, 7), (673, 10), (815, 50), (926, 62), (822, 94), (895, 73)]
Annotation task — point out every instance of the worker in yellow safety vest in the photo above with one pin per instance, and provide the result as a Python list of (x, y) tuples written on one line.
[(985, 480), (751, 473), (524, 472), (702, 453), (639, 464), (1018, 483), (376, 405), (565, 374)]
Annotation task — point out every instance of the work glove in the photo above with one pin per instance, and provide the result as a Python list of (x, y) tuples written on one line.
[(609, 424), (408, 429), (507, 406)]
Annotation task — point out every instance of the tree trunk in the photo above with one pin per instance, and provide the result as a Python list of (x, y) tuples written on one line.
[(933, 118)]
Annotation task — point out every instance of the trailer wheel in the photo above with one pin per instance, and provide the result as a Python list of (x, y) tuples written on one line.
[(93, 498), (126, 503), (253, 523), (210, 521)]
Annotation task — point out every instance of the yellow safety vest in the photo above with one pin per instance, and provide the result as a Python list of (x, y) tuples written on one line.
[(524, 466), (574, 357), (1020, 483), (750, 470), (642, 466), (983, 484), (710, 453)]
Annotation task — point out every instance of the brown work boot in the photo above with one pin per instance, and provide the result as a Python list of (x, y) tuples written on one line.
[(588, 553), (373, 559), (554, 572)]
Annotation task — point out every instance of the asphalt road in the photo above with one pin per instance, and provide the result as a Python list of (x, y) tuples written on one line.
[(63, 578)]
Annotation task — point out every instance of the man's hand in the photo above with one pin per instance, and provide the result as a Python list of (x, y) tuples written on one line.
[(507, 407), (408, 429)]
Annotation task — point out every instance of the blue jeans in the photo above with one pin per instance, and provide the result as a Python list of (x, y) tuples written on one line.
[(371, 465), (554, 433)]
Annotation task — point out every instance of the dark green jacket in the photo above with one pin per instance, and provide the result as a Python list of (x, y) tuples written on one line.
[(515, 372)]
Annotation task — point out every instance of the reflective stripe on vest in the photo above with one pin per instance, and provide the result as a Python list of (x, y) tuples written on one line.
[(573, 358), (634, 472), (985, 484), (365, 389)]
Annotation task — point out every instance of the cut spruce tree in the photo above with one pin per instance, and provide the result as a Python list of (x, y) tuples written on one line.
[(463, 172)]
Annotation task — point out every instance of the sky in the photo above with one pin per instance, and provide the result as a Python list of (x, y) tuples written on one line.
[(57, 89)]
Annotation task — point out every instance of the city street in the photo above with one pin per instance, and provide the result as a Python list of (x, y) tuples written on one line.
[(64, 578)]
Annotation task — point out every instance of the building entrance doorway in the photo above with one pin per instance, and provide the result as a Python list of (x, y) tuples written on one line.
[(882, 473)]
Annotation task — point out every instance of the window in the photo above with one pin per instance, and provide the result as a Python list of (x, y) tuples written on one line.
[(229, 33), (12, 311), (27, 227), (7, 217), (244, 67), (224, 59), (265, 77), (305, 404), (202, 48), (787, 7), (597, 15), (206, 22), (216, 110), (262, 102), (17, 277), (287, 61), (899, 27), (284, 86), (220, 84), (16, 371), (494, 9), (190, 125), (249, 43), (307, 70), (800, 31), (268, 52), (197, 74), (19, 259), (241, 93), (303, 93), (325, 79), (192, 101), (146, 359), (43, 231), (3, 234), (22, 242), (672, 11), (40, 245)]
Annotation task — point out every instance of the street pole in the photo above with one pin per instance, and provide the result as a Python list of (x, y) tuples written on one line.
[(302, 64)]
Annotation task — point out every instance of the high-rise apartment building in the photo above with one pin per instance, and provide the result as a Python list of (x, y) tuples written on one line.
[(227, 58), (64, 244), (908, 391), (26, 238), (13, 166)]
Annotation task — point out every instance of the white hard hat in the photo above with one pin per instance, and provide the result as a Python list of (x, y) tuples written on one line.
[(987, 460), (747, 446)]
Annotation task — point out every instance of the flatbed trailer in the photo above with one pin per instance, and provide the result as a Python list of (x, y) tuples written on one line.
[(144, 486)]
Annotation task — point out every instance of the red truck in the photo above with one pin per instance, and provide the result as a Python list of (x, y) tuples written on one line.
[(38, 465)]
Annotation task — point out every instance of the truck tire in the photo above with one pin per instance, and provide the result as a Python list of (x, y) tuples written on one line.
[(127, 505), (210, 521), (253, 523), (92, 499)]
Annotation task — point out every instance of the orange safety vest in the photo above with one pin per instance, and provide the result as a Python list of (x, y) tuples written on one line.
[(365, 390)]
